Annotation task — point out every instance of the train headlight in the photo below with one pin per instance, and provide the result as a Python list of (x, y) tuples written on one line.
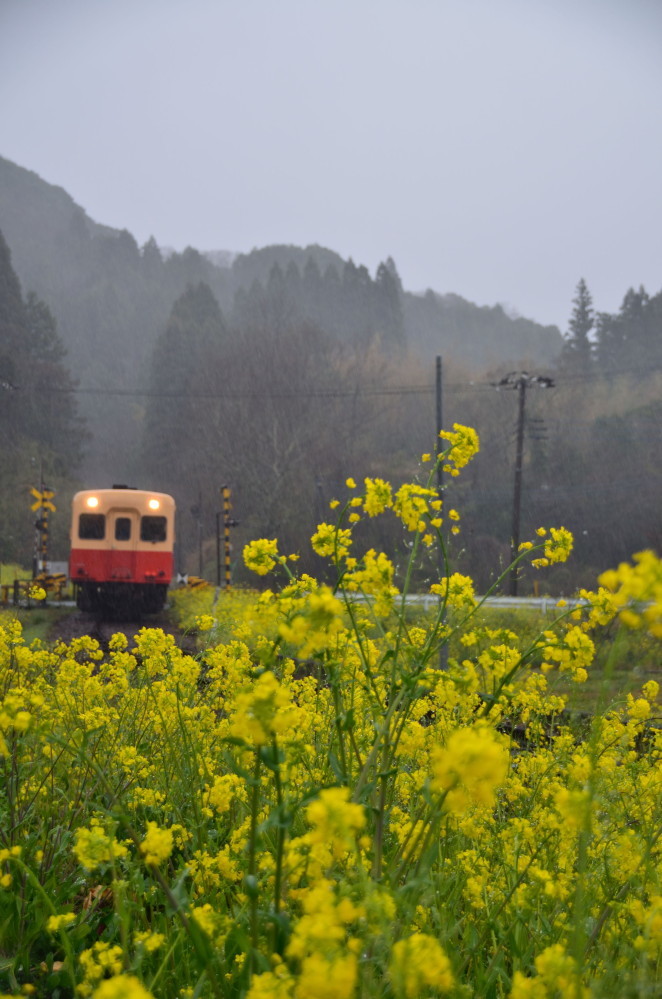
[(92, 501), (153, 504)]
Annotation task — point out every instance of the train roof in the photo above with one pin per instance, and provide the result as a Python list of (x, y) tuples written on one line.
[(123, 496)]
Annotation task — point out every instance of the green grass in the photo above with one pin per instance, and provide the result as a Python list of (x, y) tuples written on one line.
[(624, 659), (37, 621)]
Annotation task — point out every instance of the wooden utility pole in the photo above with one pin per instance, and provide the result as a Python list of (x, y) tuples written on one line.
[(443, 648), (440, 425), (520, 381)]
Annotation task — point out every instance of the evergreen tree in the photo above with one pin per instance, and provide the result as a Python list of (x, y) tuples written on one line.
[(577, 350), (39, 427), (181, 435), (50, 411), (388, 307), (631, 338), (152, 261)]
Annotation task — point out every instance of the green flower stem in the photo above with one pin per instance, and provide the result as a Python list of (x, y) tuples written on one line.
[(161, 968), (198, 938), (280, 840), (251, 878), (62, 933)]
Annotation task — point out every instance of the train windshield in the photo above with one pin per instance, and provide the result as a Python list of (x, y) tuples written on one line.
[(92, 526), (123, 529), (153, 528)]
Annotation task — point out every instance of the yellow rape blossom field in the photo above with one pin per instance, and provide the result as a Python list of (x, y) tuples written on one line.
[(323, 803)]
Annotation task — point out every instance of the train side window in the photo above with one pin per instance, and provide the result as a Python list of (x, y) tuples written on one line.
[(123, 529), (153, 528), (92, 526)]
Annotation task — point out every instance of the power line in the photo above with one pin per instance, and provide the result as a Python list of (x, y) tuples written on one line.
[(403, 390)]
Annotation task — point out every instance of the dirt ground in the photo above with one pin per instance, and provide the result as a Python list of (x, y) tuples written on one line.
[(79, 624)]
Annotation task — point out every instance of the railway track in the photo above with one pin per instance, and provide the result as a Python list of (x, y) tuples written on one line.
[(82, 623)]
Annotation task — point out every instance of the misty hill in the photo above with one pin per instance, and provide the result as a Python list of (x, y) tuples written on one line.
[(479, 336), (111, 298)]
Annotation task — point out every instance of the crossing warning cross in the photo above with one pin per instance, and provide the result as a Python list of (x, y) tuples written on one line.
[(43, 499)]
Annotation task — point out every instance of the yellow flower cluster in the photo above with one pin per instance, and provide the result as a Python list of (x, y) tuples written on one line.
[(557, 546), (335, 820), (378, 497), (417, 963), (94, 846), (157, 844), (263, 710), (261, 556), (556, 977), (374, 577), (469, 768), (312, 621), (464, 445), (331, 542), (122, 987), (457, 591), (637, 592), (414, 504)]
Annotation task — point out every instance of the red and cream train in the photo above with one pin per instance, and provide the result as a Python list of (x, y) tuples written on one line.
[(121, 558)]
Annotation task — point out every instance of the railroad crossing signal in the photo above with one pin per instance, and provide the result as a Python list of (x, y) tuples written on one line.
[(43, 502), (228, 522), (43, 499)]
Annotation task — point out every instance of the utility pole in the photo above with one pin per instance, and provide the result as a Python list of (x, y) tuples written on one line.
[(440, 425), (519, 381), (443, 648)]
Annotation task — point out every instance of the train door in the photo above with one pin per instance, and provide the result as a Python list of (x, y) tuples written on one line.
[(123, 534)]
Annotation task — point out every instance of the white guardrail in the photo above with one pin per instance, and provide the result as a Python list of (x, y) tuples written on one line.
[(543, 604)]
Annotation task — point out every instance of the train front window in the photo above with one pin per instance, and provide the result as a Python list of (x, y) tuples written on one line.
[(123, 529), (92, 526), (153, 528)]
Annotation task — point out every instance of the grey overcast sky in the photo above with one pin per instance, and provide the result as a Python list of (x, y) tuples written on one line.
[(498, 149)]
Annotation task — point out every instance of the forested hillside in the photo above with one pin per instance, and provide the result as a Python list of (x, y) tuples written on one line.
[(288, 369), (112, 298), (41, 436)]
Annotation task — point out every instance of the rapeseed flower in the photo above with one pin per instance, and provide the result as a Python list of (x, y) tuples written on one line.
[(157, 844), (412, 505), (336, 820), (323, 977), (94, 846), (122, 987), (373, 577), (315, 621), (557, 547), (418, 962), (97, 961), (457, 590), (378, 496), (271, 985), (464, 445), (637, 592), (330, 541), (261, 556), (56, 923), (469, 768), (262, 710), (557, 977)]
